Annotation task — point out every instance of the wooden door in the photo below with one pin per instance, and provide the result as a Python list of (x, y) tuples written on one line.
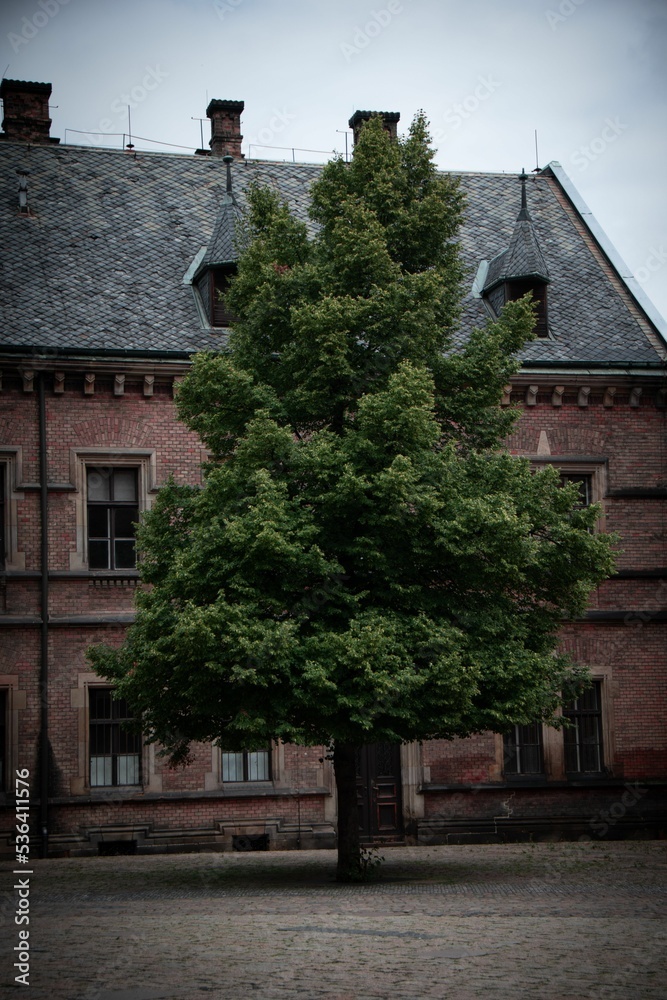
[(379, 792)]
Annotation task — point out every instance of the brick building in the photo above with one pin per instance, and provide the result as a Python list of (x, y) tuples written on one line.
[(110, 264)]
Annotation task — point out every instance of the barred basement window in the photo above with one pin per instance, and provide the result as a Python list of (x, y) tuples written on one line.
[(583, 738), (522, 750), (248, 765), (115, 751), (113, 511)]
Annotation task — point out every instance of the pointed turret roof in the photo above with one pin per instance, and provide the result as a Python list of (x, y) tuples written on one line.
[(523, 258), (222, 247)]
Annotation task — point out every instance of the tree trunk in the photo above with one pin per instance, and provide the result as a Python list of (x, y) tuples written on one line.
[(345, 770)]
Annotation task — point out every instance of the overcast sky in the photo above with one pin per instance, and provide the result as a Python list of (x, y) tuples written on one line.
[(589, 75)]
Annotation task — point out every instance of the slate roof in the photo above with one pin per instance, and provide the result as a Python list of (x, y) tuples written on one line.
[(523, 258), (99, 265)]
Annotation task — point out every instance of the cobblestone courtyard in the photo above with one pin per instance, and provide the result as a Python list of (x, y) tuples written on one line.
[(583, 920)]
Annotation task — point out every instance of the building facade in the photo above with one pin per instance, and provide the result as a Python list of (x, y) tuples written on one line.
[(110, 272)]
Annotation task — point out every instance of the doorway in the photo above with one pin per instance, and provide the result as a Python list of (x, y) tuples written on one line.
[(379, 792)]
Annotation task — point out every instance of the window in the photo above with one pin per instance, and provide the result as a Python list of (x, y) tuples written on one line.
[(3, 737), (115, 751), (113, 511), (219, 285), (522, 750), (517, 288), (2, 516), (248, 765), (584, 482), (583, 737)]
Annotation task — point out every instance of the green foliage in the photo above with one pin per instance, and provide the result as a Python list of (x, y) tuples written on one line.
[(364, 561), (366, 868)]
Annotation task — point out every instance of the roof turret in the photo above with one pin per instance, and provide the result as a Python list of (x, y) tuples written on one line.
[(523, 258)]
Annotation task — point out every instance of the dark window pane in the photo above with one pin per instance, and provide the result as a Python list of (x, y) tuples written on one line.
[(3, 738), (98, 555), (114, 751), (583, 737), (119, 708), (125, 556), (99, 485), (100, 703), (584, 484), (220, 313), (2, 515), (100, 738), (125, 485), (522, 748), (124, 520), (98, 522)]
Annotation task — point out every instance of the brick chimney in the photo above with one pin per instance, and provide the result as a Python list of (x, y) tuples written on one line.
[(390, 120), (225, 128), (26, 111)]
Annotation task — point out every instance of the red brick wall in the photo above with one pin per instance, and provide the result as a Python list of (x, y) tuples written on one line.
[(632, 650)]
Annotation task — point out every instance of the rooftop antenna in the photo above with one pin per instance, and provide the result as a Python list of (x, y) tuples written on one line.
[(201, 128), (129, 129), (344, 132), (537, 155)]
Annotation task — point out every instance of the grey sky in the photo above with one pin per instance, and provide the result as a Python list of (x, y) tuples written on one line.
[(590, 75)]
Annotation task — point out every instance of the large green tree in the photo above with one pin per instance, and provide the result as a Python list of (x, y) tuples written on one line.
[(364, 561)]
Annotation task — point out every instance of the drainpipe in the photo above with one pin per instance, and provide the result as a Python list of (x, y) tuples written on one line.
[(44, 636)]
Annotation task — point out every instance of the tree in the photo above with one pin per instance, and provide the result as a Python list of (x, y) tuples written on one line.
[(364, 562)]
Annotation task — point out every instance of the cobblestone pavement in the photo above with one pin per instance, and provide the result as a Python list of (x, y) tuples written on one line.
[(552, 921)]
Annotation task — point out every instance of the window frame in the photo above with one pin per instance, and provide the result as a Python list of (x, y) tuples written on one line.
[(112, 506), (114, 726), (582, 477), (219, 278), (516, 288), (521, 745), (574, 714), (246, 767), (4, 736), (570, 465), (11, 466), (15, 702), (81, 459)]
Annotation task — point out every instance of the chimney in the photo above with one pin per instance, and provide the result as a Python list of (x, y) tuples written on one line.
[(225, 128), (26, 111), (390, 120)]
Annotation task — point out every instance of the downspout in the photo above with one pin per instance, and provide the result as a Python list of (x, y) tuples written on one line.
[(44, 636)]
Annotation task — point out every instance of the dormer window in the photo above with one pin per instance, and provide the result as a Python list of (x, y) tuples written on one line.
[(518, 270), (219, 313), (213, 273), (521, 286)]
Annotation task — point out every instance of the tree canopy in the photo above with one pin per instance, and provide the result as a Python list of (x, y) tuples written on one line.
[(365, 562)]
